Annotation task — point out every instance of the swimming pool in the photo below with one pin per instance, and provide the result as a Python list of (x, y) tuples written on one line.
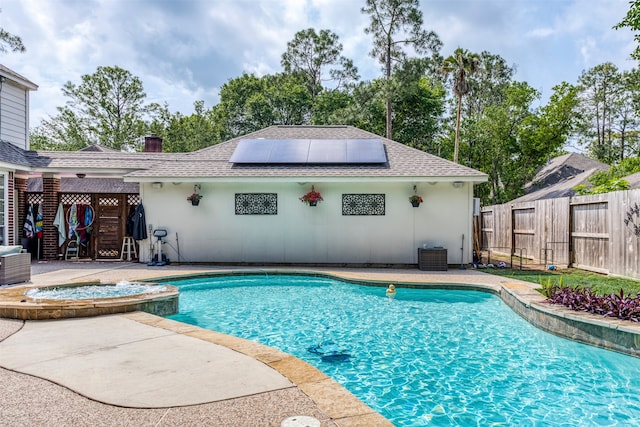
[(427, 357)]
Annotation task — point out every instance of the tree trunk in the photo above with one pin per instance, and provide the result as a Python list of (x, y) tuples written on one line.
[(388, 90), (389, 124), (457, 142)]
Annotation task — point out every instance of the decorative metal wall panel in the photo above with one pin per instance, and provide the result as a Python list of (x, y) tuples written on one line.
[(256, 204), (363, 204)]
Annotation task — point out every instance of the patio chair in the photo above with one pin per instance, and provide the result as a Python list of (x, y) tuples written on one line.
[(15, 265)]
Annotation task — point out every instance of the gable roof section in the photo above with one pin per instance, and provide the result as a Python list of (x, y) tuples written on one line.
[(213, 162), (559, 176)]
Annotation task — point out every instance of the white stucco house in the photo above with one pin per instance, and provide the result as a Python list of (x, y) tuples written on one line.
[(250, 211)]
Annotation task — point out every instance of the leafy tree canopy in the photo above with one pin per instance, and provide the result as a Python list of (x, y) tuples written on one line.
[(632, 21), (10, 42), (396, 24), (311, 53), (106, 108)]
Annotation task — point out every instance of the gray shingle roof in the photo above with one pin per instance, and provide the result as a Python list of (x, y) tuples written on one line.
[(559, 176), (403, 161), (213, 162), (12, 154), (633, 180), (98, 148), (88, 185), (87, 160)]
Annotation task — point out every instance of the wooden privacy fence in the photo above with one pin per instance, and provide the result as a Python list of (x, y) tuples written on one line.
[(598, 233)]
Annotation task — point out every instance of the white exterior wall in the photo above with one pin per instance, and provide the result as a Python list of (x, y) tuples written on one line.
[(211, 232), (14, 125)]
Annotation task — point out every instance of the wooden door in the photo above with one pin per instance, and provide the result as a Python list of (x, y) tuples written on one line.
[(110, 219)]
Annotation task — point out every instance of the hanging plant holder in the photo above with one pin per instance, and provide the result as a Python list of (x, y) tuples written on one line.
[(194, 199), (312, 197), (415, 200)]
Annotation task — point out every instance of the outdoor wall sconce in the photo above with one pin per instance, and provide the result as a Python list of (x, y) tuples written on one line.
[(81, 175), (196, 188), (457, 184), (156, 185)]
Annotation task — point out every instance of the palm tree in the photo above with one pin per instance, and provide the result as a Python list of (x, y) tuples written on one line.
[(460, 64)]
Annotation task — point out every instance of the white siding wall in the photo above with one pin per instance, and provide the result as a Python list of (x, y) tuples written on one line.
[(211, 232), (13, 115)]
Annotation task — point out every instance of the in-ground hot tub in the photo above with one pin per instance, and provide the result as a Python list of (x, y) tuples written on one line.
[(87, 299)]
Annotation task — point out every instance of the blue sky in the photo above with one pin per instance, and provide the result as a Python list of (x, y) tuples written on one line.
[(185, 50)]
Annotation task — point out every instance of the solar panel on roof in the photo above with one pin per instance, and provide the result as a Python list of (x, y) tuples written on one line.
[(252, 151), (361, 151), (328, 151), (289, 151), (309, 151)]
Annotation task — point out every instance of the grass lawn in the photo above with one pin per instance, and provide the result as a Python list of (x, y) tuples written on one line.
[(572, 277)]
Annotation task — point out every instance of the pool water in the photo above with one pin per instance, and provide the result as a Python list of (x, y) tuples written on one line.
[(427, 357)]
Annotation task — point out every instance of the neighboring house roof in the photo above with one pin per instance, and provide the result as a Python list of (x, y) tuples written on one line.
[(633, 180), (12, 75), (213, 162), (559, 176), (87, 185)]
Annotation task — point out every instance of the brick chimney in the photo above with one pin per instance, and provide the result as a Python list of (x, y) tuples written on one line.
[(152, 144)]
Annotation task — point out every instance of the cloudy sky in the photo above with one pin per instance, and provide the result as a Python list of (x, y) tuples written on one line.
[(185, 50)]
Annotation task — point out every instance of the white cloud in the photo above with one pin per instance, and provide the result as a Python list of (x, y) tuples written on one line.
[(540, 33), (184, 51)]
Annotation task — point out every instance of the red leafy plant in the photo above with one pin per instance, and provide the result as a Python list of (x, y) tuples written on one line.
[(312, 196), (618, 305)]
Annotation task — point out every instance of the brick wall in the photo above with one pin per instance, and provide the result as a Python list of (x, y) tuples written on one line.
[(50, 190), (20, 187), (11, 221)]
